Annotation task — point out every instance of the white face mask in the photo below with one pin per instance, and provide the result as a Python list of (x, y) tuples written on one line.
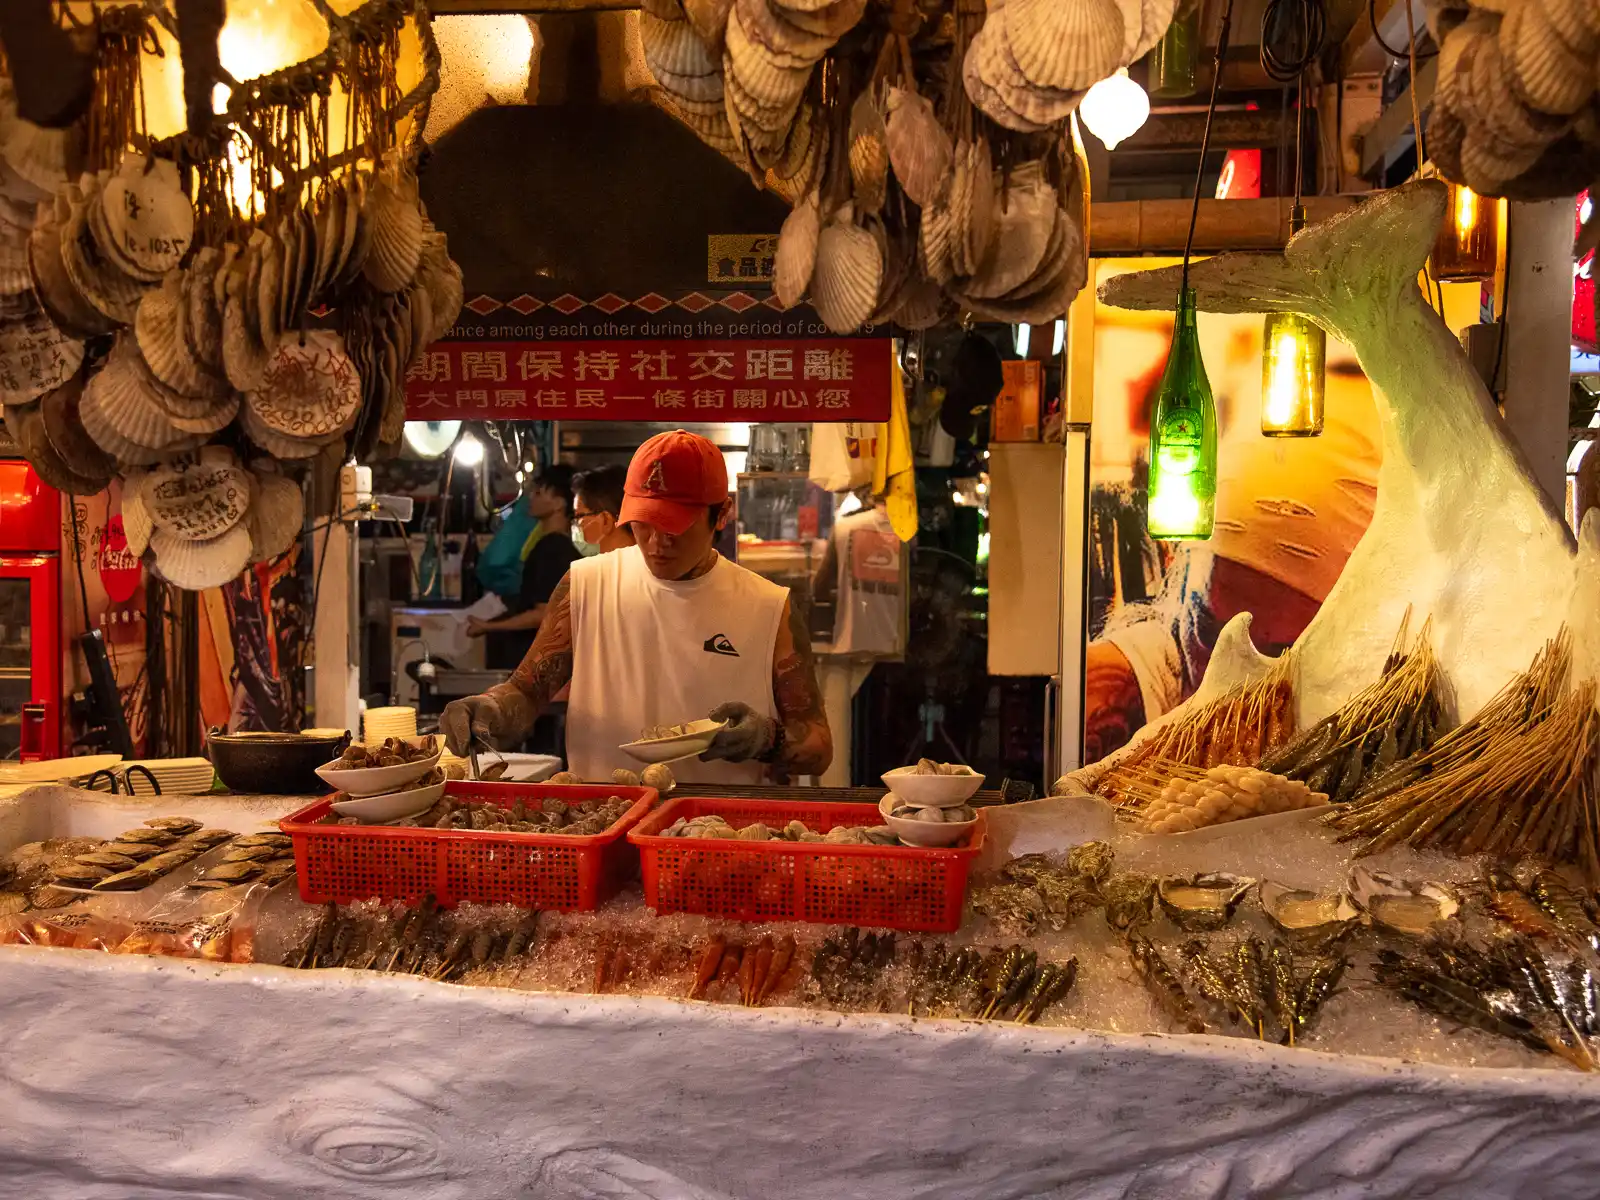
[(584, 547)]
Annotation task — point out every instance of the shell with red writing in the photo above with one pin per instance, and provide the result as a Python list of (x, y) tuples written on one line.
[(196, 503), (311, 388)]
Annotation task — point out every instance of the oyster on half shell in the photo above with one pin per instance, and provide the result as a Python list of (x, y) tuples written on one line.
[(1202, 902), (1400, 905), (1304, 915)]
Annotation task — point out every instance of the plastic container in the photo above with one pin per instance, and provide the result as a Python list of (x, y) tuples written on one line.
[(895, 887), (565, 872)]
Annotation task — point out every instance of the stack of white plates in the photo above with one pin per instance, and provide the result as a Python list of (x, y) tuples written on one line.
[(381, 723), (177, 776)]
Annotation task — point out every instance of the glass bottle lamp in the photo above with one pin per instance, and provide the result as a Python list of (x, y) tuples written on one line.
[(1294, 355), (1173, 64), (1183, 439), (1469, 239)]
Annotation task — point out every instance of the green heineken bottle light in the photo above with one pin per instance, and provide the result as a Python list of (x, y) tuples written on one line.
[(1183, 440)]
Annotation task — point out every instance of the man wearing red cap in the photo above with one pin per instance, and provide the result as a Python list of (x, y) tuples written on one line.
[(661, 632)]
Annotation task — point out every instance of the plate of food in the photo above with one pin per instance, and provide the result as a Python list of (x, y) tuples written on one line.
[(377, 770), (668, 743), (929, 784), (395, 806)]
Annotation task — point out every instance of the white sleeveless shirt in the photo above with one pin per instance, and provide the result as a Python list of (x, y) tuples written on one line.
[(648, 651)]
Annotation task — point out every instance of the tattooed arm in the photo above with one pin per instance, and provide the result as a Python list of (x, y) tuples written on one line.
[(504, 715), (807, 740)]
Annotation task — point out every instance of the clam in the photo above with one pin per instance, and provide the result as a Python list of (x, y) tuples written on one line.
[(1303, 914), (1202, 902), (1400, 905)]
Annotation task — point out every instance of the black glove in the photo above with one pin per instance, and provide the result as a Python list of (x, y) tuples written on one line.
[(748, 734), (479, 717)]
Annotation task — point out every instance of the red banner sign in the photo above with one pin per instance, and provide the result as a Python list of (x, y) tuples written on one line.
[(821, 379)]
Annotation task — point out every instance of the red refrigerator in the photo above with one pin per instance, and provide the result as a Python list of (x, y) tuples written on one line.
[(31, 703)]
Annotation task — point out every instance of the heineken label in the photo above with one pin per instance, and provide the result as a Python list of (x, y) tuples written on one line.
[(1179, 440)]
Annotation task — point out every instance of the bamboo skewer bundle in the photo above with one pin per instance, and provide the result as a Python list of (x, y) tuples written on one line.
[(1233, 729), (1518, 779), (1389, 720)]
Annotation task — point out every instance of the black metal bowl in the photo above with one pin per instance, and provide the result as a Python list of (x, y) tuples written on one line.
[(274, 764)]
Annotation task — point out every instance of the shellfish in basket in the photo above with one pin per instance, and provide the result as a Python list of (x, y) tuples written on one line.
[(1202, 902)]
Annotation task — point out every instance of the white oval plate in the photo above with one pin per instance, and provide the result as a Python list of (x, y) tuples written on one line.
[(932, 791), (926, 834), (660, 750), (396, 806), (374, 781)]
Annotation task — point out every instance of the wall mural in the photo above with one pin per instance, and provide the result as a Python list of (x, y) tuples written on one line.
[(1289, 512)]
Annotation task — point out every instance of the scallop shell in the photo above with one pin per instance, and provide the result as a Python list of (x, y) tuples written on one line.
[(136, 523), (116, 393), (158, 328), (869, 153), (310, 388), (277, 512), (53, 286), (108, 439), (1577, 22), (797, 252), (108, 290), (330, 238), (63, 426), (1487, 163), (25, 424), (357, 229), (272, 301), (675, 48), (195, 566), (275, 443), (196, 503), (919, 148), (1154, 17), (1068, 45), (936, 238), (150, 218), (447, 295), (46, 158), (35, 358), (243, 358), (984, 97), (980, 222), (844, 285), (1036, 106), (708, 17), (1552, 74), (830, 20), (1023, 230), (773, 81), (203, 329), (787, 43), (922, 305), (396, 233)]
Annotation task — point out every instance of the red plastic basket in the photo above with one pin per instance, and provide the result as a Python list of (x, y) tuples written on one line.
[(566, 872), (896, 887)]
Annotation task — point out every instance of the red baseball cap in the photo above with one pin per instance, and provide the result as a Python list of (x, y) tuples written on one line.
[(673, 478)]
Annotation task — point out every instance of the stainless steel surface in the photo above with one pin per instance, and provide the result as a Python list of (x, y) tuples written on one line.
[(465, 683)]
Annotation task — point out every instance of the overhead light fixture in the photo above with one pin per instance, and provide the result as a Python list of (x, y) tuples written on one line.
[(1022, 338), (430, 439), (1469, 239), (469, 450), (1294, 367), (1115, 108)]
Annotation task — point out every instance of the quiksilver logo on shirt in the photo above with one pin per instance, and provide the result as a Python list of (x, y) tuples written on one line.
[(720, 645)]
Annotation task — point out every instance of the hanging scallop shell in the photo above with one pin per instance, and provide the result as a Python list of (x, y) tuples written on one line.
[(25, 424), (46, 158), (919, 147), (63, 426), (35, 358), (277, 513), (396, 232), (1068, 45), (1554, 75), (196, 566), (136, 524), (869, 153), (199, 502), (797, 252), (1577, 22), (310, 389), (709, 19), (674, 48), (849, 269), (1154, 17), (1023, 230), (108, 290), (980, 220), (150, 218), (162, 344), (53, 286), (936, 239), (922, 305)]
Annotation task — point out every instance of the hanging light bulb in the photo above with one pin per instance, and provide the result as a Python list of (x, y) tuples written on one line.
[(1183, 439), (469, 450), (1469, 239), (1294, 353), (1115, 108)]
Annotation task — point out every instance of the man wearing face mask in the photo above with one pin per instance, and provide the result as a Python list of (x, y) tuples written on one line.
[(662, 632), (598, 507)]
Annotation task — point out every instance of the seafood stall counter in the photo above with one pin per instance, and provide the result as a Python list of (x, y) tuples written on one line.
[(367, 1050)]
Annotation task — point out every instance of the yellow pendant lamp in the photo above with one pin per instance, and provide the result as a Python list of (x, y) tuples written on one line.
[(1294, 356)]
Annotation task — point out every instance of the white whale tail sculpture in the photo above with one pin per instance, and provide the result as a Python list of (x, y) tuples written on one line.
[(1461, 531)]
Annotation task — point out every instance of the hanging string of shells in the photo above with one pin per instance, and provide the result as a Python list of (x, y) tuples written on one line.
[(922, 144), (1516, 111), (196, 316)]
